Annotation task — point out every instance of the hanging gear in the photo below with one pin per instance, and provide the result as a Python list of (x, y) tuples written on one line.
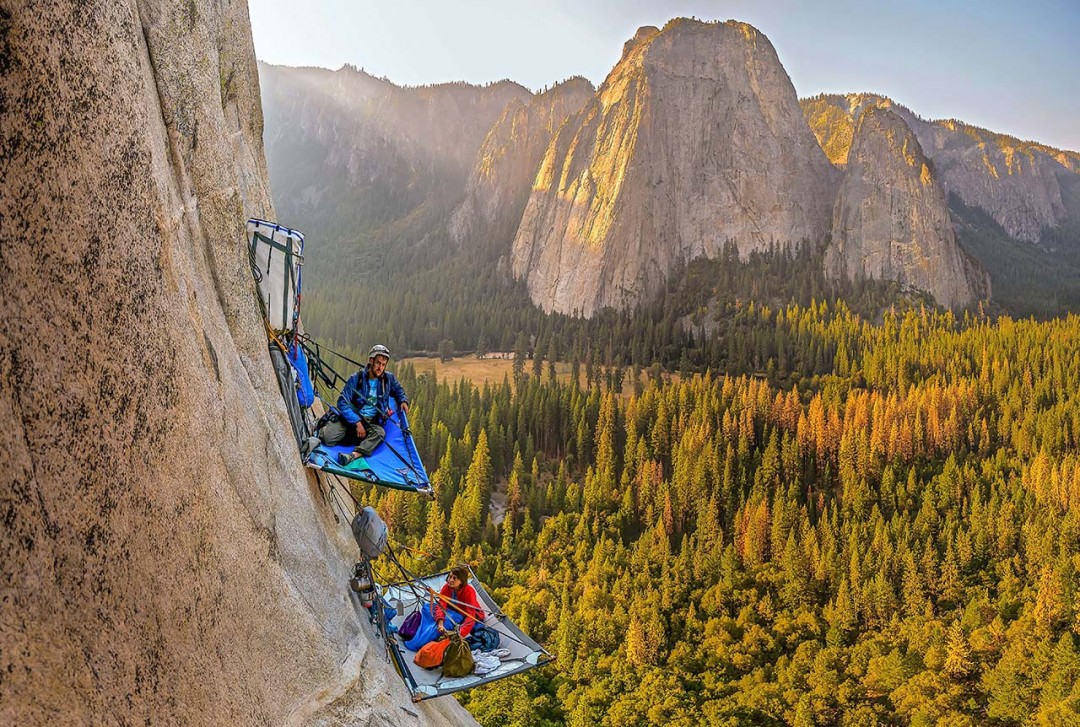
[(362, 583), (369, 530)]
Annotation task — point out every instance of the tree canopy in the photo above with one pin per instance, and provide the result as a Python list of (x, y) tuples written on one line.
[(892, 539)]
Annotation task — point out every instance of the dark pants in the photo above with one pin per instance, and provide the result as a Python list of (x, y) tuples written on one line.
[(341, 432)]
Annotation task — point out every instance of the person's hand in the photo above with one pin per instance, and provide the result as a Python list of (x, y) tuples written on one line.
[(405, 407), (360, 431)]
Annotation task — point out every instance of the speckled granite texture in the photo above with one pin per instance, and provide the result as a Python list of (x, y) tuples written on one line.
[(164, 559)]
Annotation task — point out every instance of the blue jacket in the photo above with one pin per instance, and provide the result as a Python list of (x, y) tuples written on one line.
[(352, 396)]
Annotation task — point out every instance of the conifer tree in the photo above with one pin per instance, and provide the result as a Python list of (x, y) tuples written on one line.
[(958, 663), (479, 480)]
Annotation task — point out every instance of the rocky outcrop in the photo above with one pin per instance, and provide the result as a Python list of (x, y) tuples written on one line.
[(891, 221), (832, 119), (694, 138), (1022, 185), (164, 557), (506, 163)]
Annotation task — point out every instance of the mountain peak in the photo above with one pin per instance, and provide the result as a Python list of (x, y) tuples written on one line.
[(694, 138), (574, 84), (643, 35), (679, 27)]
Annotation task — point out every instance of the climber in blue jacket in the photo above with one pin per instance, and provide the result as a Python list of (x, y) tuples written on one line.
[(364, 405)]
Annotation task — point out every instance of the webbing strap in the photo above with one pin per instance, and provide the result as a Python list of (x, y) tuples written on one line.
[(271, 242), (288, 283)]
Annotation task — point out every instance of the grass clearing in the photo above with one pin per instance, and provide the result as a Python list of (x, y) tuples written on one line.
[(482, 371), (479, 371)]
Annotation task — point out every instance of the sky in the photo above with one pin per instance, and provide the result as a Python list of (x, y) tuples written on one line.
[(1011, 67)]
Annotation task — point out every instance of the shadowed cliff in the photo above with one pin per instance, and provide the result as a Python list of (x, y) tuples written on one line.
[(891, 221), (165, 559)]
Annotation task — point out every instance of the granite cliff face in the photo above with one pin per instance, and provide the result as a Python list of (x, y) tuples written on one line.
[(164, 557), (506, 162), (1025, 186), (891, 221), (694, 138)]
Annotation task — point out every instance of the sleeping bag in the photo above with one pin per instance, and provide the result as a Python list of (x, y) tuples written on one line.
[(428, 631)]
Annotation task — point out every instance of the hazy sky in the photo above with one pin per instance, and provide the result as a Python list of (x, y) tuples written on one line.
[(1012, 67)]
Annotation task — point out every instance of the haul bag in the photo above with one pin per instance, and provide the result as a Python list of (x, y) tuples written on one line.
[(305, 391), (457, 658), (287, 385), (431, 654), (370, 532), (409, 625)]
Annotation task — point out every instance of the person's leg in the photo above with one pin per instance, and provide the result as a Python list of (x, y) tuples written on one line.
[(336, 432), (375, 437)]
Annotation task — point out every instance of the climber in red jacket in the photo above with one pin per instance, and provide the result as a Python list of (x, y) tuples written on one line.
[(458, 595)]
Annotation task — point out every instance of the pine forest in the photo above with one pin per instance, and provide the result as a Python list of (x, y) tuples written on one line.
[(890, 539)]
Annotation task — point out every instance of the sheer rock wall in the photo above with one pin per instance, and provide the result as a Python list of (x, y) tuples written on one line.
[(164, 557), (1023, 185), (694, 138), (891, 221)]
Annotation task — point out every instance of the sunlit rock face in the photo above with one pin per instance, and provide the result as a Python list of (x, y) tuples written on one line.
[(506, 163), (1025, 186), (891, 221), (1021, 184), (695, 137), (164, 557)]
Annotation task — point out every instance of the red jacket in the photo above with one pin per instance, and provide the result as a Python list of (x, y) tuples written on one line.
[(464, 601)]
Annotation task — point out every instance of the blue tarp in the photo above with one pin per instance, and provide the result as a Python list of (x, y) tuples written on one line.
[(305, 392), (394, 463)]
